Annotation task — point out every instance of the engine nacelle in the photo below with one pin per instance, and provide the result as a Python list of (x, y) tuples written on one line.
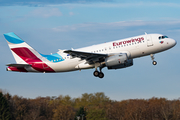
[(118, 61)]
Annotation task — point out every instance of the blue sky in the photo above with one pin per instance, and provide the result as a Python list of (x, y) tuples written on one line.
[(51, 25)]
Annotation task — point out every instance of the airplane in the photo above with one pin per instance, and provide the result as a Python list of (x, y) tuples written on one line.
[(113, 55)]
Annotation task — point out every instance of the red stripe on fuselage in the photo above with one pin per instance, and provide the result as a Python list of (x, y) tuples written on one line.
[(32, 59), (17, 69)]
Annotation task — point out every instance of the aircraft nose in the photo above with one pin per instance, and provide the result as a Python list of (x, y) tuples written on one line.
[(173, 42)]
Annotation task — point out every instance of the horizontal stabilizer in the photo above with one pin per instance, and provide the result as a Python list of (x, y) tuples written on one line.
[(18, 65)]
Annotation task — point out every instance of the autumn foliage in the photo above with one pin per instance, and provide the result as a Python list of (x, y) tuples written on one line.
[(95, 106)]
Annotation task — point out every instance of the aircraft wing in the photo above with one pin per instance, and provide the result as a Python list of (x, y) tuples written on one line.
[(89, 57), (18, 65)]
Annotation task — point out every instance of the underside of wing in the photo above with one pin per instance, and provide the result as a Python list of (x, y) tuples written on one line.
[(89, 57)]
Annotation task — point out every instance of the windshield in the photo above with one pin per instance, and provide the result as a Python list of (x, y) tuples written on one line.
[(162, 37)]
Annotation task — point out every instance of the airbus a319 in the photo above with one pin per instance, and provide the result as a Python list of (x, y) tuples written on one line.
[(113, 55)]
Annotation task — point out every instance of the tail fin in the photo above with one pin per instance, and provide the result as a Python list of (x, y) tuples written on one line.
[(22, 52), (28, 59)]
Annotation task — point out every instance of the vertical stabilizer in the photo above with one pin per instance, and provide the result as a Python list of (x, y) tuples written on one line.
[(22, 52), (27, 59)]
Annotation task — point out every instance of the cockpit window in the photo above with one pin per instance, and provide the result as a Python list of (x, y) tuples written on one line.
[(162, 37)]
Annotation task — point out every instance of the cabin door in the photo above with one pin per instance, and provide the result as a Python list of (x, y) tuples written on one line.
[(149, 40)]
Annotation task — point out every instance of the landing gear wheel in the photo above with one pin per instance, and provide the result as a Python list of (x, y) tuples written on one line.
[(101, 75), (96, 73), (154, 63), (152, 57)]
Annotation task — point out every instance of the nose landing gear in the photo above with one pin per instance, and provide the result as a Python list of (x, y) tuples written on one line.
[(152, 57), (154, 62)]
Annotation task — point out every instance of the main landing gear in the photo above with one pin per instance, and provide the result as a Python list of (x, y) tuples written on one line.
[(97, 73), (152, 57)]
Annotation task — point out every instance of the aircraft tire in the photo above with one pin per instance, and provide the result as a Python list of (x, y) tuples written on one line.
[(96, 73), (154, 63), (101, 75)]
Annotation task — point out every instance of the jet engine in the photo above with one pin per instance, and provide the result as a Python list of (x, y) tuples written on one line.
[(118, 61)]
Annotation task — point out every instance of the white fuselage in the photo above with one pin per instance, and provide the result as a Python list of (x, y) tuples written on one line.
[(134, 47)]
